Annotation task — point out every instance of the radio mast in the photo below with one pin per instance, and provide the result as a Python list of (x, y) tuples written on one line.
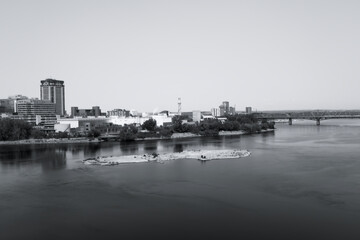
[(179, 106)]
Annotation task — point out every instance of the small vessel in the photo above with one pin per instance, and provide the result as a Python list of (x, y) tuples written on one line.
[(203, 158)]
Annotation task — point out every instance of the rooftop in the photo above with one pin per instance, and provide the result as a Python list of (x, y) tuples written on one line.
[(50, 80)]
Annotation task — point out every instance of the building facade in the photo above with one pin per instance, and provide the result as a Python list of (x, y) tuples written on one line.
[(118, 113), (248, 110), (9, 105), (54, 91), (196, 116), (225, 109), (6, 106), (93, 112), (226, 106), (215, 112), (37, 112)]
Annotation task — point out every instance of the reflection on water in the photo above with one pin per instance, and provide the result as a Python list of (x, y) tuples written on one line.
[(55, 156), (151, 146), (178, 147), (129, 148), (47, 156)]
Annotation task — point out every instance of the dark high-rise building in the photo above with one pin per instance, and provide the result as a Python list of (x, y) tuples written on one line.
[(54, 91), (248, 110), (74, 111), (96, 110), (226, 106)]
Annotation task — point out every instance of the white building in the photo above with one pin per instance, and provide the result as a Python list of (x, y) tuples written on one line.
[(196, 116), (161, 119), (127, 120), (216, 112)]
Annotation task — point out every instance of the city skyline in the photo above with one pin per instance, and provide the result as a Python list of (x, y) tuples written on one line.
[(145, 55)]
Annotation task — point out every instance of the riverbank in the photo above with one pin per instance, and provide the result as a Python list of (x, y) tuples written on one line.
[(230, 133), (87, 140), (191, 135), (50, 141)]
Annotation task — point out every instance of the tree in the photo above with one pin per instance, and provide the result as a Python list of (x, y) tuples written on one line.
[(210, 127), (177, 124), (93, 133), (165, 132), (128, 133), (149, 125), (11, 129), (37, 134)]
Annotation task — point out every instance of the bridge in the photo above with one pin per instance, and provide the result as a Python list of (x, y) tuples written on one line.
[(316, 115)]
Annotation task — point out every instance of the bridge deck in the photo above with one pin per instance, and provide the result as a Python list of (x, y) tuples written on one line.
[(313, 115)]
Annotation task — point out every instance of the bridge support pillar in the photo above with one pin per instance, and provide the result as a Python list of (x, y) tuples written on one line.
[(290, 121), (318, 122)]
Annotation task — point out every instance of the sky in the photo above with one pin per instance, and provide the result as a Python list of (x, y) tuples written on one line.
[(144, 55)]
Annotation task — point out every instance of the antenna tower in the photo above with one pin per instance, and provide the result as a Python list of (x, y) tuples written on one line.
[(179, 106)]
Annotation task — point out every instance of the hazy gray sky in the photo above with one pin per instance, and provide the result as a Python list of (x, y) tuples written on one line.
[(145, 54)]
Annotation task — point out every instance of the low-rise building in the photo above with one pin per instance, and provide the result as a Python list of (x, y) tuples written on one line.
[(162, 119), (93, 112), (206, 116), (127, 120), (81, 124), (118, 113)]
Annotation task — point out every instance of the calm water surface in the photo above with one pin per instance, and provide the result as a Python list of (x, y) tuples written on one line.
[(301, 182)]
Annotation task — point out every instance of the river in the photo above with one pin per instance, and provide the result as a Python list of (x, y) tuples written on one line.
[(300, 182)]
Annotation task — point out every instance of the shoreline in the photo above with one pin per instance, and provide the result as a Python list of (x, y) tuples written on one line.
[(201, 155), (192, 135), (86, 140), (49, 141)]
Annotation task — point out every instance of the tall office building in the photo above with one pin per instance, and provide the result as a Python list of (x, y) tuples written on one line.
[(215, 112), (54, 91), (226, 106), (248, 110)]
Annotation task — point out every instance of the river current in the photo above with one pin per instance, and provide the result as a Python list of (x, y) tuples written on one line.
[(300, 182)]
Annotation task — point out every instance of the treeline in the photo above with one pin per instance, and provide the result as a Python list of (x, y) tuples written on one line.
[(131, 132), (211, 127), (11, 129)]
